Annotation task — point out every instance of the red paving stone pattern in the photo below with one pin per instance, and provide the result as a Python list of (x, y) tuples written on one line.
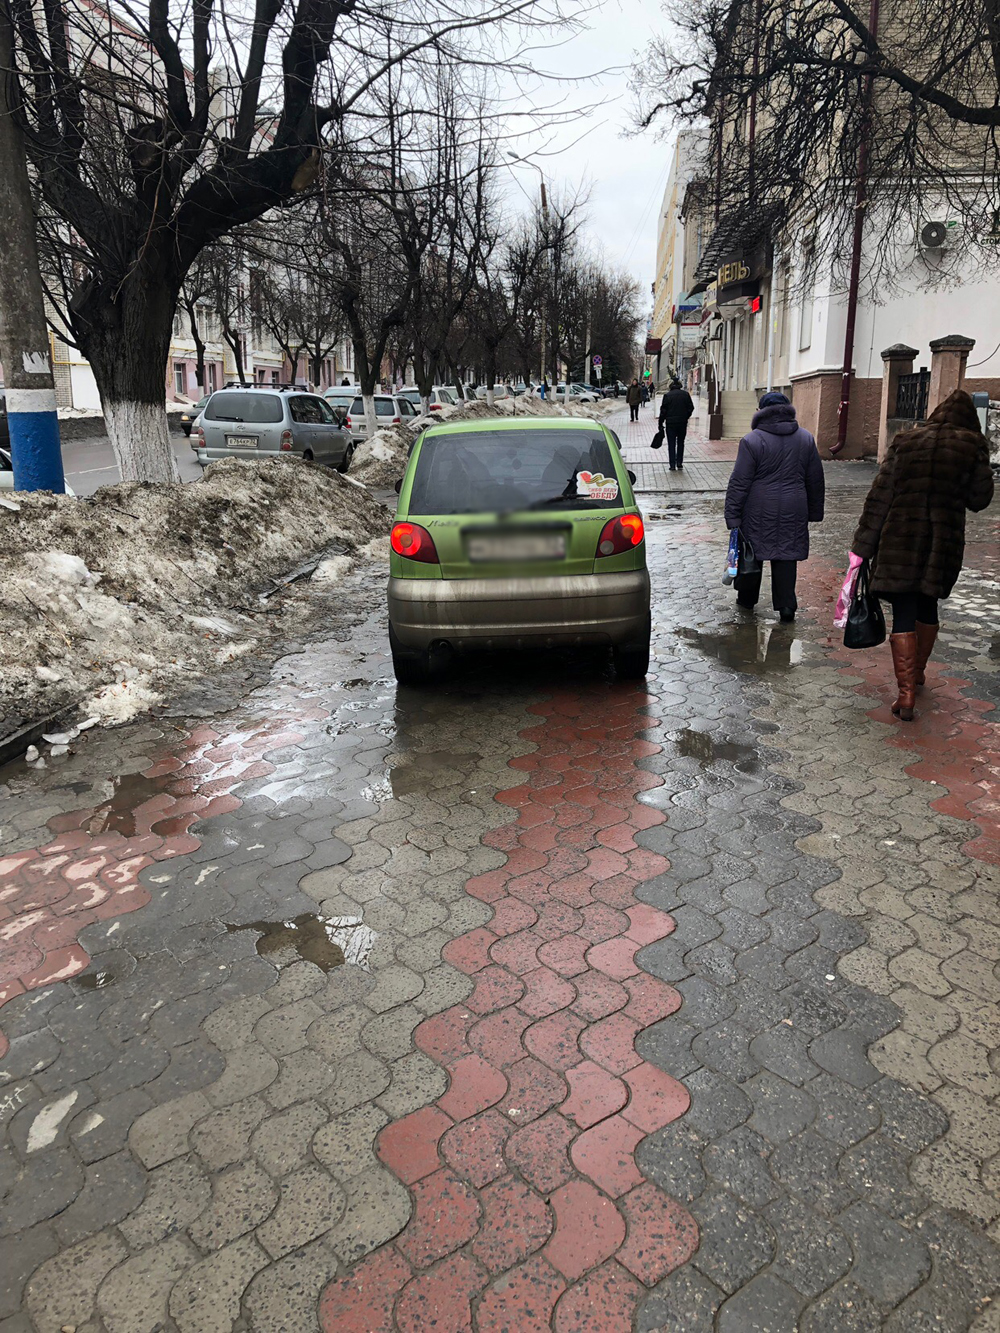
[(530, 1212), (90, 870), (958, 744)]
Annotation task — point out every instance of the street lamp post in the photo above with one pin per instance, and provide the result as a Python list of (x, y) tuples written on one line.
[(548, 283)]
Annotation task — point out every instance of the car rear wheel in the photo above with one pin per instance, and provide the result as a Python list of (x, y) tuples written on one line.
[(409, 668), (347, 460), (632, 659), (308, 455)]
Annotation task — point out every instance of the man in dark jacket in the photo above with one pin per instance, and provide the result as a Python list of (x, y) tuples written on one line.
[(776, 490), (675, 412), (633, 397), (912, 529)]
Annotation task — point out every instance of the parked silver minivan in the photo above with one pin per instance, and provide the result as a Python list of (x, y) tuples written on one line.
[(269, 423)]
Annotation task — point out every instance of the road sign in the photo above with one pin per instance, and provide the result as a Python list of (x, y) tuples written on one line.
[(597, 370), (597, 361)]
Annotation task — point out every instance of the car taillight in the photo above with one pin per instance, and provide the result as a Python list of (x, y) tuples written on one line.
[(435, 407), (414, 542), (199, 434), (286, 440), (620, 534), (396, 421), (347, 421)]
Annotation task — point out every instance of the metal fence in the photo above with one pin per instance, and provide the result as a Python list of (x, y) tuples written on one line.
[(911, 395)]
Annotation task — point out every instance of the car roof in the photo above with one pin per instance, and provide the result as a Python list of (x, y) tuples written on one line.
[(506, 424)]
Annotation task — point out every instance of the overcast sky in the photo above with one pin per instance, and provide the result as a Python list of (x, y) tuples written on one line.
[(626, 172)]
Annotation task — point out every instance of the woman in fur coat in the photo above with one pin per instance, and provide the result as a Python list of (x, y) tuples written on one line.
[(912, 529)]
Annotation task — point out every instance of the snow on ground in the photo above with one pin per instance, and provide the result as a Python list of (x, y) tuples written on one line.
[(125, 596), (379, 461)]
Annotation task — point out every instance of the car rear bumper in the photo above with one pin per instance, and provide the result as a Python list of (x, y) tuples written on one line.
[(520, 612)]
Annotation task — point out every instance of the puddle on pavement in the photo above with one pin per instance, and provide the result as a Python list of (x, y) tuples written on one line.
[(101, 974), (131, 792), (756, 648), (420, 769), (326, 941), (704, 747)]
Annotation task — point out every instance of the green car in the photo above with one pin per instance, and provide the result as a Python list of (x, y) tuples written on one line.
[(517, 534)]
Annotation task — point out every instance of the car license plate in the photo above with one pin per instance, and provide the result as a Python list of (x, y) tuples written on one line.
[(518, 546), (241, 441)]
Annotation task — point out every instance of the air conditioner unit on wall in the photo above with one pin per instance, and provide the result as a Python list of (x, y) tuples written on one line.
[(934, 237)]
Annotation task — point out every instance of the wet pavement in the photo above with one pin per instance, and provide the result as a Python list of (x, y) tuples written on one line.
[(530, 1001)]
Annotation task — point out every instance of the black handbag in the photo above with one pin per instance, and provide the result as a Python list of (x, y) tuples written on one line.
[(865, 626), (657, 441), (747, 562)]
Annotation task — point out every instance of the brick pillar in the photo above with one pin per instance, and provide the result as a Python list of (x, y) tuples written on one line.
[(948, 358), (896, 360)]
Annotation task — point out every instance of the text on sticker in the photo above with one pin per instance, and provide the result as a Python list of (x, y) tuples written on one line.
[(596, 486)]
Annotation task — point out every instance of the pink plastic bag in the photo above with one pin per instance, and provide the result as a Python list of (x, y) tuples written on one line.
[(847, 591)]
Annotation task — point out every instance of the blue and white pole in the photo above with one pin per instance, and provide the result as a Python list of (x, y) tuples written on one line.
[(24, 338), (34, 440)]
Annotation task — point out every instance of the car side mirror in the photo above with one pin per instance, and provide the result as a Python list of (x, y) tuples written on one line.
[(398, 486), (631, 475)]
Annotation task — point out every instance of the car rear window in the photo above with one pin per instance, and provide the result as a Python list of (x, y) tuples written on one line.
[(504, 471), (258, 408)]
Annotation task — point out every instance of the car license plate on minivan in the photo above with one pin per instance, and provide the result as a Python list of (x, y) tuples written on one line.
[(525, 546), (241, 441)]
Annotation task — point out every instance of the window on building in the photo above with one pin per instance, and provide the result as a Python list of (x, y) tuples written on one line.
[(180, 324), (211, 378), (806, 309), (180, 377), (275, 376)]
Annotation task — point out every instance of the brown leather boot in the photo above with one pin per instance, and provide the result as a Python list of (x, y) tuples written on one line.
[(926, 635), (904, 663)]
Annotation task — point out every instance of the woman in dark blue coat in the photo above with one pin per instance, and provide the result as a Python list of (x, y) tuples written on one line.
[(776, 490)]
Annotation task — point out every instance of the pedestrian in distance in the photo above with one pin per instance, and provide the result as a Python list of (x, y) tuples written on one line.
[(776, 490), (676, 409), (912, 530), (618, 389), (634, 397), (644, 393)]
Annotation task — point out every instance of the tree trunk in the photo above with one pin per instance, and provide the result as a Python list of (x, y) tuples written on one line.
[(199, 346), (125, 335), (235, 344)]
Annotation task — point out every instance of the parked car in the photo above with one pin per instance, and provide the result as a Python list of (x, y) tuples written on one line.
[(573, 393), (390, 410), (269, 423), (191, 414), (341, 398), (499, 391), (439, 397), (7, 467), (516, 533)]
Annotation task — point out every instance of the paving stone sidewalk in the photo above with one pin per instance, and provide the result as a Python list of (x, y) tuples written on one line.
[(282, 983)]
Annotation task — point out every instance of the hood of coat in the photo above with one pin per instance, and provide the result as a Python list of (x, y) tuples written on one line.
[(779, 419), (956, 410)]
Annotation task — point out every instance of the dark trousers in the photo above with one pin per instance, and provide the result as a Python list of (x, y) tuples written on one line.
[(675, 444), (783, 574), (634, 409), (908, 608)]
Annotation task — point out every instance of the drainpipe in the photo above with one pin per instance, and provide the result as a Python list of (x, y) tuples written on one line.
[(860, 203), (773, 320)]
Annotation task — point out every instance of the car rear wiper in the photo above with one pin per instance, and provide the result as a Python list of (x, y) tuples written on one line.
[(558, 499)]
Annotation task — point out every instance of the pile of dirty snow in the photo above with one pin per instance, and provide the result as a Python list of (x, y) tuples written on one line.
[(379, 461), (116, 599)]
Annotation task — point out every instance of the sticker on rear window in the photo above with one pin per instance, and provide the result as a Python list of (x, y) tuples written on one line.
[(596, 486)]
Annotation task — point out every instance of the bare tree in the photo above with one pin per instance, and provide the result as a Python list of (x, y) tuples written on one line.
[(156, 129), (819, 115)]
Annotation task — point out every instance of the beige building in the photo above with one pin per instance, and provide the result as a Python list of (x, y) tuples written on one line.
[(673, 331)]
